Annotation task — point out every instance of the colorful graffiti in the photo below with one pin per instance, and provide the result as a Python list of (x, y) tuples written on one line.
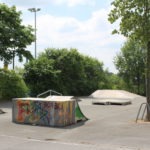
[(49, 113)]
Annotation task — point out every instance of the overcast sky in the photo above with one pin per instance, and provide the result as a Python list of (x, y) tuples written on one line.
[(80, 24)]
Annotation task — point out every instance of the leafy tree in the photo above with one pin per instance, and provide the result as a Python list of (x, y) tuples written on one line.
[(65, 71), (14, 37), (113, 81), (94, 75), (41, 76), (80, 75), (134, 18), (20, 71), (130, 63), (11, 85), (70, 66)]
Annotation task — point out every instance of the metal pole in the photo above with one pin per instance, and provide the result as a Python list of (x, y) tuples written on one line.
[(13, 60), (35, 10), (35, 31)]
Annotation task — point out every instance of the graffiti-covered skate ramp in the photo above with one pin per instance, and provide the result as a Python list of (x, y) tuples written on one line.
[(56, 111), (116, 97)]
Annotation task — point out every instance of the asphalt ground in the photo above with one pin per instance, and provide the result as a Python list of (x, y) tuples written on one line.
[(110, 127)]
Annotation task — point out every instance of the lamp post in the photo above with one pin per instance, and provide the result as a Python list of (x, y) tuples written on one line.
[(34, 10)]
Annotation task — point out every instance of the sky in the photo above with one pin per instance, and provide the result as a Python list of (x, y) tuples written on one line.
[(80, 24)]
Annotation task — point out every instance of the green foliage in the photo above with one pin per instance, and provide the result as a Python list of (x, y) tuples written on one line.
[(131, 62), (11, 85), (14, 37), (114, 81), (40, 75), (65, 71), (19, 71), (133, 17), (94, 75), (134, 21)]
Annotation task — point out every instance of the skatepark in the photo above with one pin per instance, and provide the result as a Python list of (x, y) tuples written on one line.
[(110, 127)]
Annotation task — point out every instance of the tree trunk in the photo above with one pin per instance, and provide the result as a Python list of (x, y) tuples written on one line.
[(138, 82), (148, 79)]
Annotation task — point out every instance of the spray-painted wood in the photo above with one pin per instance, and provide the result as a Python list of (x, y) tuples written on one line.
[(45, 112)]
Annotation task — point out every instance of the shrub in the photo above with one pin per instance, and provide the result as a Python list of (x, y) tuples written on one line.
[(11, 85), (65, 71)]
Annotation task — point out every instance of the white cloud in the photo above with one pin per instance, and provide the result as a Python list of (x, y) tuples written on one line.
[(36, 3), (91, 37), (72, 3)]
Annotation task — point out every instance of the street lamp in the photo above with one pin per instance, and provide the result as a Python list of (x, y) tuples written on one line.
[(34, 10)]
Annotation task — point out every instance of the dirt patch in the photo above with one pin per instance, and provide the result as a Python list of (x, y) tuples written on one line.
[(143, 122)]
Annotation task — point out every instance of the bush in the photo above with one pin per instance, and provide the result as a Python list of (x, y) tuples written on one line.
[(41, 76), (11, 85), (65, 71)]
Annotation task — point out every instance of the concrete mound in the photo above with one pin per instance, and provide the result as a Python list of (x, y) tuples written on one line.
[(106, 97)]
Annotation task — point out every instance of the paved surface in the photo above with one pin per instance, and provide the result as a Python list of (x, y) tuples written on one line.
[(110, 128)]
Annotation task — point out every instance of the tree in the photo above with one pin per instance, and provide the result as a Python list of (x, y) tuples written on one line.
[(134, 18), (131, 62), (40, 76), (80, 75), (113, 81), (94, 75), (63, 70), (14, 37), (11, 85)]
